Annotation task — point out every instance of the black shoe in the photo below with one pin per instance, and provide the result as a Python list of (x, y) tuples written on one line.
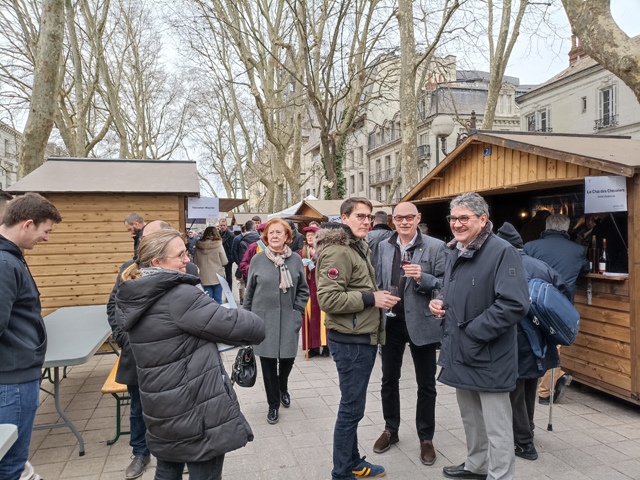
[(543, 400), (285, 399), (325, 352), (272, 416), (458, 471), (526, 451), (314, 352), (561, 385)]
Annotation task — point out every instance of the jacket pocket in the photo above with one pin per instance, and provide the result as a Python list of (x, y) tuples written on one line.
[(471, 352)]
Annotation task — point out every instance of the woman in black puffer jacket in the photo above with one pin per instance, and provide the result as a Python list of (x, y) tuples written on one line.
[(189, 406)]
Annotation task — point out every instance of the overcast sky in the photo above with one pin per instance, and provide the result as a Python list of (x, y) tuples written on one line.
[(542, 62)]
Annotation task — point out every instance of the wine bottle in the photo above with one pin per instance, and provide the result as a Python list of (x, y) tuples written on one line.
[(604, 258), (593, 255)]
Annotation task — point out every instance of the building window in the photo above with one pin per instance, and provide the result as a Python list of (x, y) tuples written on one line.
[(360, 181), (539, 121), (352, 181), (379, 194), (6, 147), (607, 111), (583, 102), (387, 162), (349, 159)]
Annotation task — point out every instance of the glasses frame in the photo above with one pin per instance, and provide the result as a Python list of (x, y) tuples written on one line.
[(402, 218), (452, 220), (184, 254), (361, 217)]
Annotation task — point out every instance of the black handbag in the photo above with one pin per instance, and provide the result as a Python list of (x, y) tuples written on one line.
[(244, 370)]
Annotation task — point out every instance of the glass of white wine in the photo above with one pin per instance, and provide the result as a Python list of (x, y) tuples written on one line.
[(393, 290)]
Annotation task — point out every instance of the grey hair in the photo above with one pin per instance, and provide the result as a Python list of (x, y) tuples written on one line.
[(381, 217), (473, 202), (558, 222), (133, 217)]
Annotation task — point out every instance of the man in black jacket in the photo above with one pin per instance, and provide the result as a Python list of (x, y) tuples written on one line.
[(27, 221), (127, 374), (380, 231), (227, 243), (485, 296), (530, 368)]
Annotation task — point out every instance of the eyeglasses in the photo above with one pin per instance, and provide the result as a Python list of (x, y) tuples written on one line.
[(363, 216), (401, 218), (463, 219), (184, 254)]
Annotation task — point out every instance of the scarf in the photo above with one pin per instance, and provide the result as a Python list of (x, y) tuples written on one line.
[(278, 260)]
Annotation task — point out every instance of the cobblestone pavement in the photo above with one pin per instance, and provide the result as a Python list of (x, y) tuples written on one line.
[(594, 436)]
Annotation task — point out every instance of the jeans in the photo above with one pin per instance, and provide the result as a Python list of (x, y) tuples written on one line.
[(354, 363), (275, 383), (523, 404), (18, 405), (214, 291), (207, 470), (137, 426), (424, 363)]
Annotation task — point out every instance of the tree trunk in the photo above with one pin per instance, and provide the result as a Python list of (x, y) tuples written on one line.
[(604, 41), (45, 87)]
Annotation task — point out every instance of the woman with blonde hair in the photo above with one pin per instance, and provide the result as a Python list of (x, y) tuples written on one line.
[(210, 258), (277, 291), (189, 406)]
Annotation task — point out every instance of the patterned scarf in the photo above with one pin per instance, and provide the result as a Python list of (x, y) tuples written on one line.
[(278, 260)]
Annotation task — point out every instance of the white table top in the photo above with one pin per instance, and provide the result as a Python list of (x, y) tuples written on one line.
[(8, 435), (74, 334)]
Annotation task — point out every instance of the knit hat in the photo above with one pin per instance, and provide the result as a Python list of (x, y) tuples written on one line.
[(310, 228), (509, 233)]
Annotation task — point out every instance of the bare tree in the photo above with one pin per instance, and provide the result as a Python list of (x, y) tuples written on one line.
[(46, 81), (601, 37)]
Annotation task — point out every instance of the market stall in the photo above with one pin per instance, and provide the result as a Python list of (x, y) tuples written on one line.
[(519, 173)]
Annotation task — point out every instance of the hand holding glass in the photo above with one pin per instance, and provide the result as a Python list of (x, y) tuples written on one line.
[(437, 299), (406, 260), (393, 290)]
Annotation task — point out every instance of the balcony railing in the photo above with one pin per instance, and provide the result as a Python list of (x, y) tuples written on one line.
[(424, 151), (606, 122), (382, 176)]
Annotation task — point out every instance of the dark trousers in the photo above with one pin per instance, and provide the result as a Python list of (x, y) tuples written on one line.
[(424, 364), (137, 426), (207, 470), (354, 363), (274, 381), (523, 404), (228, 274)]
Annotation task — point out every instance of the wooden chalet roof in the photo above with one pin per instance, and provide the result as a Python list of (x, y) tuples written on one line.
[(326, 208), (525, 161)]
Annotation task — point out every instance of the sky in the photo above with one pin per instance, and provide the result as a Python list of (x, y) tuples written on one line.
[(538, 64)]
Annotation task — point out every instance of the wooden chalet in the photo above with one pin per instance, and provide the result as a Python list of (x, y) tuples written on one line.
[(519, 172)]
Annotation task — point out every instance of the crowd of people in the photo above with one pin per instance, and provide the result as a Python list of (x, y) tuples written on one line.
[(349, 287)]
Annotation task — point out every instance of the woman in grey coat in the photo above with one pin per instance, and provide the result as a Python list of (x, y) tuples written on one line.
[(277, 292)]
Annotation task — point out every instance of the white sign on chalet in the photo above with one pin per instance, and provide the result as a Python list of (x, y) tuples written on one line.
[(203, 207), (605, 194)]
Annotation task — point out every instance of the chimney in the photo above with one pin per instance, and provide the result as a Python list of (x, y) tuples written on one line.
[(576, 52)]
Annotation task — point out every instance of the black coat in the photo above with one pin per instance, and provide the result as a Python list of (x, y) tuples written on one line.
[(485, 296), (189, 406)]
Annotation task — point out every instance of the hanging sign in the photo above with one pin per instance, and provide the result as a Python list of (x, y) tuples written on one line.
[(203, 207), (605, 194)]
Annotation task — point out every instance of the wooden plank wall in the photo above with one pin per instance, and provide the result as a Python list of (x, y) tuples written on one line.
[(472, 171), (79, 264), (601, 354), (633, 205)]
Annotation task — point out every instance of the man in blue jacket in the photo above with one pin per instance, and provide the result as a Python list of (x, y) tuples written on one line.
[(27, 221), (485, 296)]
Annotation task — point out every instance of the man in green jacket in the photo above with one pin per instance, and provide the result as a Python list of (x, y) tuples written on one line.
[(347, 294)]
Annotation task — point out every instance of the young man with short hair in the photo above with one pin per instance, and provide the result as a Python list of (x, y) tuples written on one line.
[(27, 221)]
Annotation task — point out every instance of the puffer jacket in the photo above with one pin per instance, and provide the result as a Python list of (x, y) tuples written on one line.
[(485, 296), (346, 281), (189, 406), (210, 259)]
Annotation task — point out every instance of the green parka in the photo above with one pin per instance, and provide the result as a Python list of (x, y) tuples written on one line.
[(346, 281)]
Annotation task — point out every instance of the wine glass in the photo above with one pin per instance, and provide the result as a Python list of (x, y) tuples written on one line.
[(438, 299), (393, 290), (406, 260)]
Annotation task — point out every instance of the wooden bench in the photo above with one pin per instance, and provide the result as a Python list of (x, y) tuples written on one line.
[(121, 394)]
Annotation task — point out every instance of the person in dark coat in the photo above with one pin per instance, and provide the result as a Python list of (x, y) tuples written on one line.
[(485, 296), (127, 374), (297, 239), (530, 369), (277, 292), (533, 228), (227, 243), (566, 257), (380, 231), (189, 407)]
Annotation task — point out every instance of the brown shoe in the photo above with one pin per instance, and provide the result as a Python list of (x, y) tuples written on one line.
[(427, 452), (385, 441)]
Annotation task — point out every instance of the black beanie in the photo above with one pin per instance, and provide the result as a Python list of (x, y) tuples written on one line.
[(509, 233)]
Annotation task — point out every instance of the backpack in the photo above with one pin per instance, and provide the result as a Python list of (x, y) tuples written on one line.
[(553, 313), (535, 339)]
